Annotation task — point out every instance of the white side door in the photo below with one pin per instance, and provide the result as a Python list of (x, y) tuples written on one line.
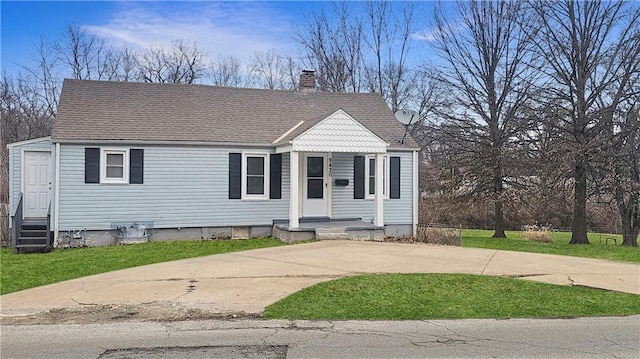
[(36, 183), (314, 201)]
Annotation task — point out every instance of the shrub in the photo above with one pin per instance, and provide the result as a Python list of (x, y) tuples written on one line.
[(435, 235), (537, 233)]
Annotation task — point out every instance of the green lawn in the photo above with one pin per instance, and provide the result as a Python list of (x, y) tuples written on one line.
[(22, 271), (447, 296), (514, 242), (18, 272)]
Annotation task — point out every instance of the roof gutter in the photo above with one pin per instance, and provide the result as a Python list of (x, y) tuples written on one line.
[(190, 143), (160, 142)]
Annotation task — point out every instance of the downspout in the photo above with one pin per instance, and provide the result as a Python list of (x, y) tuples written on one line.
[(56, 197), (10, 181), (416, 193)]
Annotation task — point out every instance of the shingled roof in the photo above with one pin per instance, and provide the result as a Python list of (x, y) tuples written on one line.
[(145, 112)]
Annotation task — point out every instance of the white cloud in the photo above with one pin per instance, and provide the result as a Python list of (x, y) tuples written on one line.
[(424, 35), (226, 28), (454, 27)]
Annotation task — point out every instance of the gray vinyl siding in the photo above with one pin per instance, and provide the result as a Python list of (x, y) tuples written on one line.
[(183, 187), (187, 186), (400, 210), (15, 167), (396, 211)]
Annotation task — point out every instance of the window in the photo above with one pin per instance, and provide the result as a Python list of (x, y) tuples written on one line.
[(255, 180), (252, 183), (315, 177), (370, 182), (115, 166), (364, 186)]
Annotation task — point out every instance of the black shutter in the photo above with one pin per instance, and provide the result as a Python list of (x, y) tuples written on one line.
[(91, 165), (136, 166), (394, 173), (358, 177), (235, 175), (275, 180)]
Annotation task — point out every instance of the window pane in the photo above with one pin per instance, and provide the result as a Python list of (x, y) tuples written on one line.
[(315, 167), (115, 172), (372, 185), (255, 166), (372, 167), (255, 185), (315, 188), (114, 159)]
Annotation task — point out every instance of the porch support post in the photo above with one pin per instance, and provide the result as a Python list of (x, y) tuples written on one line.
[(294, 192), (378, 218)]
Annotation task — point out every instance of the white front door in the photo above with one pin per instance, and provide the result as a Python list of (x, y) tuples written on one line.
[(314, 202), (37, 183)]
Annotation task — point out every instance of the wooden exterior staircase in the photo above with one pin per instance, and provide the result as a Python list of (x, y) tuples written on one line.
[(30, 235)]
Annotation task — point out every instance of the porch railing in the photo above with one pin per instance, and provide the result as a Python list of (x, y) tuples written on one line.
[(49, 236), (16, 223)]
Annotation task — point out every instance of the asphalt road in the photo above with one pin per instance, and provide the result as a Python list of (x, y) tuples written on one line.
[(513, 338)]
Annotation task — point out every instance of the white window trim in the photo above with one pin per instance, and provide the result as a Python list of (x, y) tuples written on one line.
[(387, 185), (264, 196), (103, 165)]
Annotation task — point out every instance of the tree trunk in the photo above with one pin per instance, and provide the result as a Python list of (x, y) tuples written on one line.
[(630, 222), (497, 204), (579, 230), (499, 222), (630, 236)]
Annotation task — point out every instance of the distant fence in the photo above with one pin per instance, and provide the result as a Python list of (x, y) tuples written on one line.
[(603, 230), (448, 234), (438, 233)]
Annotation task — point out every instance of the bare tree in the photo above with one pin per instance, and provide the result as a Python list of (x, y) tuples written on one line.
[(273, 70), (128, 60), (581, 42), (625, 130), (43, 77), (226, 71), (627, 176), (484, 56), (388, 39), (182, 63), (88, 56), (332, 44)]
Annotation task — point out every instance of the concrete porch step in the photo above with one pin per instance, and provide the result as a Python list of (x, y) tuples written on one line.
[(331, 233)]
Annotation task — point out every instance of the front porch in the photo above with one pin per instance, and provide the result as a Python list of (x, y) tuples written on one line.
[(312, 188), (322, 228)]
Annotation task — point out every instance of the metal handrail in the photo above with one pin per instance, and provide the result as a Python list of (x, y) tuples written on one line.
[(16, 221), (49, 244)]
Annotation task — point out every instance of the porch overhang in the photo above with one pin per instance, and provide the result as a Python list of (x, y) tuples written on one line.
[(338, 132)]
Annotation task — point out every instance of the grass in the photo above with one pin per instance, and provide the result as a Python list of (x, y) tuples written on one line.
[(447, 296), (559, 245), (23, 271)]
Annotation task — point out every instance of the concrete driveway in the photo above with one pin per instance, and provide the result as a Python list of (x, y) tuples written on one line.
[(247, 282)]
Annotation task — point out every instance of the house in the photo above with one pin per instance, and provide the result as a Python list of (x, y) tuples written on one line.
[(131, 161)]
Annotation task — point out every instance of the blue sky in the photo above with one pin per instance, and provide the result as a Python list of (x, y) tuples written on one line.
[(231, 28), (237, 28)]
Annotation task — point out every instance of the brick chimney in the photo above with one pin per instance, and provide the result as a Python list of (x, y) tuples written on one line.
[(308, 81)]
